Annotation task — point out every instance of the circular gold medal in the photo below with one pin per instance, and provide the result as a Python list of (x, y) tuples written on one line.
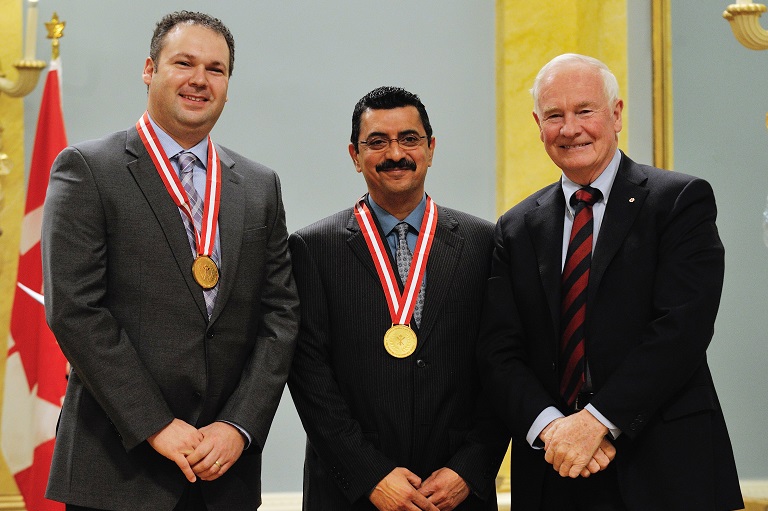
[(400, 341), (205, 272)]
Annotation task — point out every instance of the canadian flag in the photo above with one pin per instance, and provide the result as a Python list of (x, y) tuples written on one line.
[(35, 373)]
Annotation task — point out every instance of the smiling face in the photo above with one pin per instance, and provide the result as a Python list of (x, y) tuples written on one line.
[(578, 125), (187, 85), (395, 176)]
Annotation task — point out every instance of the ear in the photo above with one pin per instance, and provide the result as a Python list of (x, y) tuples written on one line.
[(149, 69), (617, 115), (355, 157), (431, 150), (538, 123)]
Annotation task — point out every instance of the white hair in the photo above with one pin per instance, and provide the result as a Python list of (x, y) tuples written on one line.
[(610, 84)]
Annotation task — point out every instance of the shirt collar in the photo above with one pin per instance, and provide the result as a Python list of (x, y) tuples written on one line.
[(388, 222), (604, 182), (172, 148)]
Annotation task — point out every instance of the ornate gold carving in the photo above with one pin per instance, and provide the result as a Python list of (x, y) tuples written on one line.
[(745, 24)]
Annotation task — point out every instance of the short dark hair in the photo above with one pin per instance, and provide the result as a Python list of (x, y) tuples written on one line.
[(190, 18), (387, 98)]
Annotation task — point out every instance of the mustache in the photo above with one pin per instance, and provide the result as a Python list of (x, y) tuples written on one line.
[(403, 163)]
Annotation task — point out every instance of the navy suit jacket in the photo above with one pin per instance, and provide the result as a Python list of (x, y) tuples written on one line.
[(366, 412), (653, 294), (122, 303)]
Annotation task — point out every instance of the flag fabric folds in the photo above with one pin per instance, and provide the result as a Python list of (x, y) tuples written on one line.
[(35, 378)]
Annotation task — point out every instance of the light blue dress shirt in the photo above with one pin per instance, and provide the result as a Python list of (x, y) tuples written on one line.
[(388, 223)]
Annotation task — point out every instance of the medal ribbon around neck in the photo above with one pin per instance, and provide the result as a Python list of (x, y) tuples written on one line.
[(203, 240), (400, 306)]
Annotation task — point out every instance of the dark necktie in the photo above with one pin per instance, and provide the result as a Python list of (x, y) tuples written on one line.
[(574, 294), (403, 257), (186, 165)]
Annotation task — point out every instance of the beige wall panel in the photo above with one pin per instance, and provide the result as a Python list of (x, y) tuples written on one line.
[(528, 35)]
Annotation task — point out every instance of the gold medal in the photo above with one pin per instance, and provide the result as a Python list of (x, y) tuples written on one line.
[(205, 272), (400, 341)]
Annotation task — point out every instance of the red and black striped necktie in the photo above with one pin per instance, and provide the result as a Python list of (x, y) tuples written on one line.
[(574, 293)]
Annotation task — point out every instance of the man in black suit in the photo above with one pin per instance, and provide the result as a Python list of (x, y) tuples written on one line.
[(384, 377), (600, 369), (173, 299)]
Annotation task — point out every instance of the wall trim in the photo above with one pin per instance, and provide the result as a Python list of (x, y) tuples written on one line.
[(281, 501), (291, 501), (754, 488)]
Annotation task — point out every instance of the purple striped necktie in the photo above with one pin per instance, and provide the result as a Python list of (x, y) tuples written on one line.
[(187, 164)]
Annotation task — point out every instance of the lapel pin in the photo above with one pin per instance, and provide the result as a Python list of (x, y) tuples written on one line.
[(631, 199)]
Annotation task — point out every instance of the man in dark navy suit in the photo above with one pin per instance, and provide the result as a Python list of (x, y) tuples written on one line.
[(596, 346)]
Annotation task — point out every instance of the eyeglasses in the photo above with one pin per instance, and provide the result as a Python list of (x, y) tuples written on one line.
[(408, 141)]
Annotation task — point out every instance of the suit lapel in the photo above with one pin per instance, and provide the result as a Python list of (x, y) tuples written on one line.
[(628, 194), (165, 210), (231, 218), (545, 226), (443, 261), (356, 242), (441, 267)]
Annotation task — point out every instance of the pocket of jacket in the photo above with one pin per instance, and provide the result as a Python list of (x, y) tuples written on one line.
[(254, 234), (695, 400)]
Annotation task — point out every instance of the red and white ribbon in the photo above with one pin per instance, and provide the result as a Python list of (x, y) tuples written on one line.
[(401, 306), (205, 239)]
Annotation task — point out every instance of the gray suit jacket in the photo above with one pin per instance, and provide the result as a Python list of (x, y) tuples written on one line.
[(366, 412), (123, 305)]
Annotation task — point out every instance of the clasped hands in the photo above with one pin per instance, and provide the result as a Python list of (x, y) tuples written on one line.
[(403, 490), (206, 453), (577, 445)]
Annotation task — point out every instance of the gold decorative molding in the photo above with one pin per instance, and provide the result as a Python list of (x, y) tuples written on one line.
[(663, 126), (28, 67), (28, 74), (744, 19), (12, 503)]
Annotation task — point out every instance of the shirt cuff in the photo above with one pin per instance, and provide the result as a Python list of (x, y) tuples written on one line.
[(242, 432), (612, 429), (549, 414)]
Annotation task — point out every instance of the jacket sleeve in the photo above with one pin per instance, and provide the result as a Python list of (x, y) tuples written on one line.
[(254, 401), (74, 252), (503, 355), (669, 358), (337, 437)]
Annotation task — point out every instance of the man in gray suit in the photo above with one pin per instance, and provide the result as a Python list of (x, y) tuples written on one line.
[(169, 289), (384, 377)]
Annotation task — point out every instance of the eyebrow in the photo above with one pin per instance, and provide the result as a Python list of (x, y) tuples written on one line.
[(399, 134), (190, 56), (583, 104)]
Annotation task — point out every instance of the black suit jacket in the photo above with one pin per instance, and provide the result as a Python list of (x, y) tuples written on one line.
[(366, 412), (653, 294), (122, 303)]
